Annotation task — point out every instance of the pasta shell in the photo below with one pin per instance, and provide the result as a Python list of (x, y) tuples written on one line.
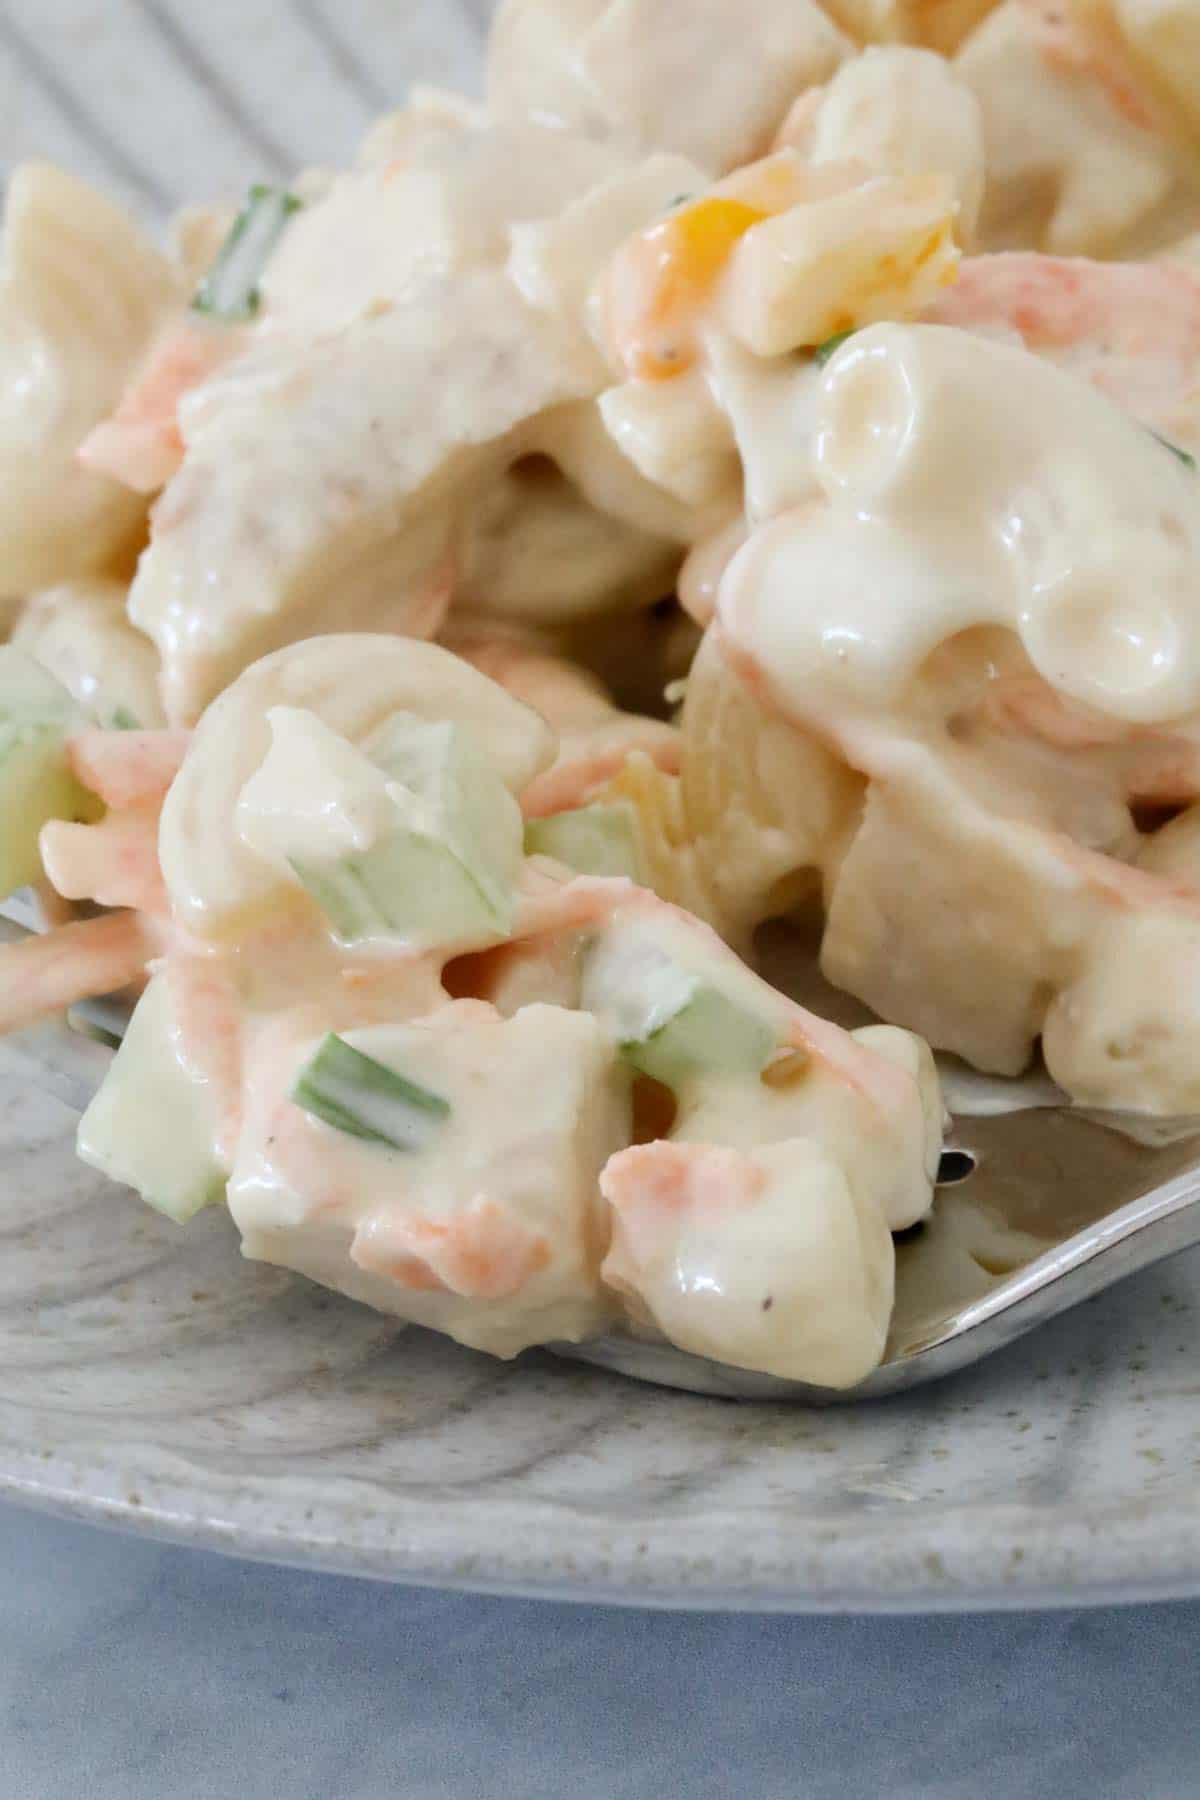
[(81, 293)]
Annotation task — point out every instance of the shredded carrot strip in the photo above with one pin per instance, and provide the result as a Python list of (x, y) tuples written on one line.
[(584, 767), (662, 278), (93, 956), (127, 768), (114, 863), (141, 444)]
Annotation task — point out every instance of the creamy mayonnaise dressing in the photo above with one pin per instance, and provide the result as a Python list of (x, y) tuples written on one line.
[(506, 1223), (764, 366), (80, 631), (1084, 151), (995, 669), (712, 91), (494, 1230)]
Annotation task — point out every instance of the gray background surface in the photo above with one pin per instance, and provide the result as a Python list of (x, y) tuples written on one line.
[(129, 1671)]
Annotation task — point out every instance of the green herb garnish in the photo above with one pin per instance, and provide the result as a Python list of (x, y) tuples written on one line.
[(230, 290), (823, 352), (366, 1099), (1185, 456)]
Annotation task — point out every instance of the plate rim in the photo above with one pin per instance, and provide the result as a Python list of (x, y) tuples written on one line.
[(1151, 1548)]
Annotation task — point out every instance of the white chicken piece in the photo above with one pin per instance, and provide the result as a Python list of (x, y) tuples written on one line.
[(1126, 1032), (712, 90), (329, 489), (492, 1229), (989, 917), (1081, 160), (535, 552), (444, 209), (354, 245), (763, 1259), (897, 112)]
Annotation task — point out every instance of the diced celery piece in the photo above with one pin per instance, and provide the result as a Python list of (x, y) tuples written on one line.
[(415, 836), (37, 716), (366, 1099), (595, 840), (151, 1125), (671, 1020), (407, 886), (453, 796), (230, 289)]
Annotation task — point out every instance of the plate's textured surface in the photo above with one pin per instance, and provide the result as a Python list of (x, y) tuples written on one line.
[(149, 1376)]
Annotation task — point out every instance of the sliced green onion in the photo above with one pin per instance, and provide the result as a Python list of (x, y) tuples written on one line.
[(230, 289), (1185, 456), (366, 1099), (823, 352)]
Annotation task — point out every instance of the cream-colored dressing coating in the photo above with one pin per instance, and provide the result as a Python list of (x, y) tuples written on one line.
[(1130, 329), (713, 1250), (1056, 517), (1083, 157), (824, 1153), (595, 738), (81, 633), (970, 484), (495, 384), (898, 111), (493, 1231), (352, 684), (82, 292), (1013, 668), (328, 472), (314, 796), (445, 208), (497, 1227), (625, 68)]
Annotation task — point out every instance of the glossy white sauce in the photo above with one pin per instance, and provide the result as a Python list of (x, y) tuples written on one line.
[(505, 376)]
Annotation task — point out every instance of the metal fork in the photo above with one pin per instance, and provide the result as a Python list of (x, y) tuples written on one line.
[(1133, 1237)]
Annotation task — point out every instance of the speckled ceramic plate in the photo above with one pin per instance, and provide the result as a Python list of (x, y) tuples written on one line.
[(151, 1378)]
